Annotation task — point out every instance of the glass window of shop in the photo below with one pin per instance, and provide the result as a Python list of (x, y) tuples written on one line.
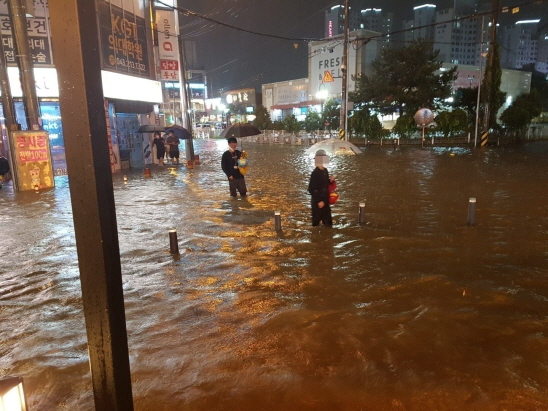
[(51, 122)]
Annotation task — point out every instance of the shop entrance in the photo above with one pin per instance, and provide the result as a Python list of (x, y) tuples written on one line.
[(131, 142)]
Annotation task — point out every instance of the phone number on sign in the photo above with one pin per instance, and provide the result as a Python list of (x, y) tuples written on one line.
[(131, 64)]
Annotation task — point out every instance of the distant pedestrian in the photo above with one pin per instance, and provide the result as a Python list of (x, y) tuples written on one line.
[(173, 143), (4, 170), (229, 164), (318, 187), (160, 147)]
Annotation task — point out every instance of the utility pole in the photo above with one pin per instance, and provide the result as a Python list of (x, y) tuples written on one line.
[(9, 113), (24, 62), (184, 90), (488, 79), (77, 55), (479, 81), (344, 69)]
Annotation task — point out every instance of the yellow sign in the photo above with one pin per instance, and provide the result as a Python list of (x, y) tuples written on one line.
[(484, 138), (33, 160), (341, 133), (327, 77)]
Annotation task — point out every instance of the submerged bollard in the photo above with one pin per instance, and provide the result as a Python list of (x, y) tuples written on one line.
[(472, 211), (173, 243), (125, 179), (197, 159), (147, 172), (277, 221), (189, 164), (361, 213)]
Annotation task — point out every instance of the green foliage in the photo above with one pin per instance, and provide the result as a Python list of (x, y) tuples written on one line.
[(467, 99), (522, 110), (365, 123), (312, 121), (277, 125), (515, 118), (451, 123), (540, 84), (405, 126), (262, 120), (332, 114), (291, 124), (405, 80)]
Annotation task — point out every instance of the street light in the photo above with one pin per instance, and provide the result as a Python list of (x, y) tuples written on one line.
[(471, 79), (12, 395), (322, 96)]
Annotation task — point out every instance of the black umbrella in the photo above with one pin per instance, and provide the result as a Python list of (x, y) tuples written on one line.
[(150, 128), (180, 132), (240, 130)]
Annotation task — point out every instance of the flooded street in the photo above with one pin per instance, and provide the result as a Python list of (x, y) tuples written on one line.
[(413, 310)]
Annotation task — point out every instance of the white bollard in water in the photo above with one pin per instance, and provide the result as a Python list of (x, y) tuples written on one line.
[(173, 243), (277, 221), (472, 211), (361, 214)]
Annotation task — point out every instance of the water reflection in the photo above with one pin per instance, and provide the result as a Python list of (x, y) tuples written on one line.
[(412, 310)]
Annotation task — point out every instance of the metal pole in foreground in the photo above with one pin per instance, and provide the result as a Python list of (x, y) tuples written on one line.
[(471, 211), (173, 242), (361, 213), (24, 62), (77, 56), (277, 221)]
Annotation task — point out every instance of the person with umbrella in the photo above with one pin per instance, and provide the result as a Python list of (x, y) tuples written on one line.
[(173, 142), (229, 164), (160, 147), (318, 187)]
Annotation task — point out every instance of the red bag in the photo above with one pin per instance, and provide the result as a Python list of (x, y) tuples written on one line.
[(333, 196)]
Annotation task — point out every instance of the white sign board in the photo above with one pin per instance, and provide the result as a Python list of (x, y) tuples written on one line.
[(168, 45), (325, 67)]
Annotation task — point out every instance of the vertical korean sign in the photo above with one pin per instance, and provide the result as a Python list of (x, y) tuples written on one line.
[(168, 46), (33, 160)]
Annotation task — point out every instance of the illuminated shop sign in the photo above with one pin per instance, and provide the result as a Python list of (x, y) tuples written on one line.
[(124, 87), (123, 40), (39, 41)]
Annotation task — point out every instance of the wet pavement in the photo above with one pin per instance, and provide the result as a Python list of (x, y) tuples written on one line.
[(413, 310)]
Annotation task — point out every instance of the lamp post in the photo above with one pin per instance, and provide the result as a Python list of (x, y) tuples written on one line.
[(471, 79)]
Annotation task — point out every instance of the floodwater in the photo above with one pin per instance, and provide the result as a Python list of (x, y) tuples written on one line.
[(412, 310)]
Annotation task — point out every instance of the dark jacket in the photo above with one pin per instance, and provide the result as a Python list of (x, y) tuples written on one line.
[(4, 166), (229, 164), (318, 185)]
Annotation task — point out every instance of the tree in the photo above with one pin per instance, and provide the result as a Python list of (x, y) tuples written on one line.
[(405, 80), (523, 109), (291, 124), (277, 125), (405, 126), (467, 100), (452, 122), (312, 121), (332, 113), (364, 122), (540, 84), (262, 118)]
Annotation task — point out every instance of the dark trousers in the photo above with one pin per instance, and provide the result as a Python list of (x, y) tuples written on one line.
[(237, 184), (321, 214)]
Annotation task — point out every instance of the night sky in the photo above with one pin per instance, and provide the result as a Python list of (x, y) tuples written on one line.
[(233, 59)]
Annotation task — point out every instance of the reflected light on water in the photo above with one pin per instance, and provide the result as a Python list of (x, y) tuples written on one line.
[(411, 310)]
